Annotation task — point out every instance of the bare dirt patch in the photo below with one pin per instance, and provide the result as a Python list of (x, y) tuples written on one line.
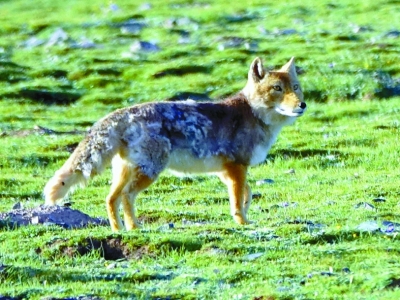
[(109, 248)]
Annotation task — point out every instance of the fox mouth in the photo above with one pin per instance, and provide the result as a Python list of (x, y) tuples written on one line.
[(296, 112)]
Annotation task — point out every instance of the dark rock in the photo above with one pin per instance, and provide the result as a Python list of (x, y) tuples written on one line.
[(256, 196), (9, 298), (379, 199), (84, 43), (231, 42), (364, 205), (143, 46), (265, 181), (289, 31), (130, 27), (58, 37), (17, 205), (346, 270), (360, 29), (393, 34), (387, 86), (85, 297), (33, 42), (49, 215), (181, 22)]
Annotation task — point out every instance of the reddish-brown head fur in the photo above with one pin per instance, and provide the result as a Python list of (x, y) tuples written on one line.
[(274, 92)]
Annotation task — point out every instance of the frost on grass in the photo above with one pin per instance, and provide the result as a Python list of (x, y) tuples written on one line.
[(49, 215)]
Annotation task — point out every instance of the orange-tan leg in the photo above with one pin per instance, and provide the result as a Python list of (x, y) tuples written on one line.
[(247, 198), (122, 176), (139, 183), (234, 176)]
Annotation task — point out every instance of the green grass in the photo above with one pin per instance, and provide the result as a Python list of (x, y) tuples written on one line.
[(304, 242)]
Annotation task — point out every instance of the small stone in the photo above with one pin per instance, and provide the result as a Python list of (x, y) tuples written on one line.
[(393, 34), (368, 226), (253, 256), (58, 37), (132, 28), (166, 227), (327, 273), (143, 46), (288, 204), (379, 199), (114, 7), (264, 181), (285, 31), (364, 205), (84, 43), (33, 42), (145, 6), (17, 205), (256, 196), (346, 270)]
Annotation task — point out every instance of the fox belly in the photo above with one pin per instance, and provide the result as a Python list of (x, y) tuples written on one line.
[(183, 161)]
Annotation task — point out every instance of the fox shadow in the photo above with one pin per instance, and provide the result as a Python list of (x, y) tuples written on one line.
[(299, 154)]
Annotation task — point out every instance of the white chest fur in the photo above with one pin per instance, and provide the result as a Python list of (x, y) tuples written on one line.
[(260, 151)]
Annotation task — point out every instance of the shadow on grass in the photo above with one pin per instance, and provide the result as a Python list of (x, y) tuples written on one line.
[(32, 160), (59, 275), (298, 154), (335, 238)]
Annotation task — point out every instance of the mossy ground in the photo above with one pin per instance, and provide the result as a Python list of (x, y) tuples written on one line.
[(305, 242)]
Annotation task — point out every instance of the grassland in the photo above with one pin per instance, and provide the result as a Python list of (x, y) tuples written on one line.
[(334, 175)]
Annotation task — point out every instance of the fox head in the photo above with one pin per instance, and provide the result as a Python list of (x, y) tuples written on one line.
[(274, 94)]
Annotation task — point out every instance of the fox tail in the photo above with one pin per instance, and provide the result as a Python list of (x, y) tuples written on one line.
[(90, 158)]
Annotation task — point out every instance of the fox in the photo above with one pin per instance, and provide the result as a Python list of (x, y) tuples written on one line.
[(223, 138)]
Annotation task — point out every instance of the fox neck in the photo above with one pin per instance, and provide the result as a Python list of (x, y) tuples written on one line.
[(270, 117)]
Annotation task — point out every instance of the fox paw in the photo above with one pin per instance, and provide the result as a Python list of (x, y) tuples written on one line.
[(242, 220)]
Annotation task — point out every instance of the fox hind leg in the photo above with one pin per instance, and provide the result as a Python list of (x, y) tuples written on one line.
[(234, 176), (122, 177), (139, 183)]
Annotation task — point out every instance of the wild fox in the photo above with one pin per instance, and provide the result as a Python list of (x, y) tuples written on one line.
[(223, 138)]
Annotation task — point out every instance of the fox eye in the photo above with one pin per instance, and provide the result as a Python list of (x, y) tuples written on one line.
[(277, 88), (296, 87)]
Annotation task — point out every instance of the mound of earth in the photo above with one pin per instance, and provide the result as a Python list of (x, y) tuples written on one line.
[(49, 215)]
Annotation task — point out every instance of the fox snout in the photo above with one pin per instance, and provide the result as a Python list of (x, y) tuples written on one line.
[(300, 108), (291, 105), (289, 111)]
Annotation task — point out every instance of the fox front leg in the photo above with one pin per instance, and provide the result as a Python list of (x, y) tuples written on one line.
[(234, 176)]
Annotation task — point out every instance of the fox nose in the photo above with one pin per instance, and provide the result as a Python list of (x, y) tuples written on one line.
[(302, 105)]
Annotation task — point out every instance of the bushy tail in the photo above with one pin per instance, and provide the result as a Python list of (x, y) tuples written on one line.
[(89, 159)]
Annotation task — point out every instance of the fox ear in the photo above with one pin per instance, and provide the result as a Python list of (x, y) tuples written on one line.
[(256, 72), (289, 67)]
